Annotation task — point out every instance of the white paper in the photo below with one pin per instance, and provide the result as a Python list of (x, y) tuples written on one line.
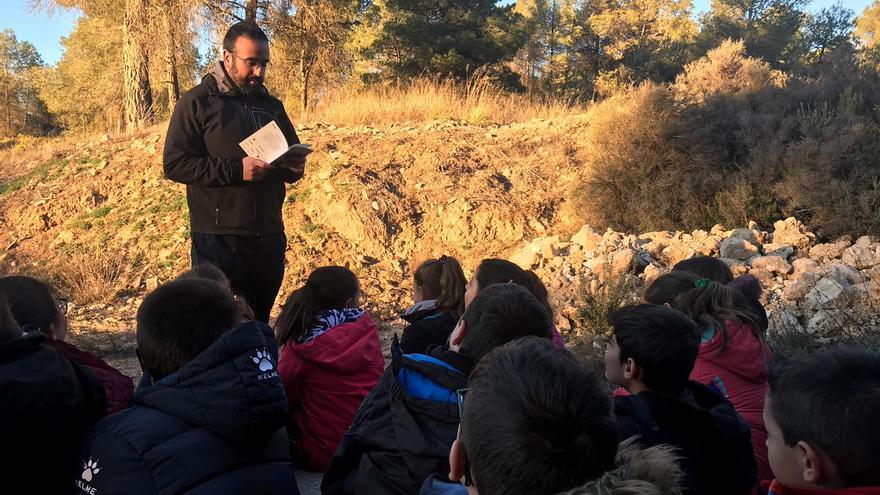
[(267, 144)]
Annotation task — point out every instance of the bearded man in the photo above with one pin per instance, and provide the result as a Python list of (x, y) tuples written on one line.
[(234, 200)]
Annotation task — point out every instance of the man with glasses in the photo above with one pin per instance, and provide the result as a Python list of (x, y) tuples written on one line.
[(234, 200)]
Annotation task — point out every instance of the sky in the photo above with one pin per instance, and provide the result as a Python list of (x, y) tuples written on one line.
[(45, 30)]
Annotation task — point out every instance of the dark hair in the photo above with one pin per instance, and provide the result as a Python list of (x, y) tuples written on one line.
[(662, 341), (443, 280), (709, 305), (179, 320), (247, 29), (31, 301), (536, 420), (831, 400), (497, 271), (9, 328), (328, 287), (706, 267), (501, 313), (748, 285), (207, 271)]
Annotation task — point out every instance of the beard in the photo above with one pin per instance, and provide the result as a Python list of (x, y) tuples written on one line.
[(247, 84)]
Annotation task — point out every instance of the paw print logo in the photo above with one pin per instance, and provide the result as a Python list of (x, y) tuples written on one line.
[(90, 469), (263, 360)]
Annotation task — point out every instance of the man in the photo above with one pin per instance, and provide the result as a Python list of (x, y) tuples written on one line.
[(234, 200)]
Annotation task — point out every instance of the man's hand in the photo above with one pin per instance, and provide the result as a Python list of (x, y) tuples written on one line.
[(296, 164), (254, 169)]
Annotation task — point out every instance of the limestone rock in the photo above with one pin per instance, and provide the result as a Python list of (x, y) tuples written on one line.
[(587, 238), (797, 289), (792, 232), (774, 264), (782, 250), (744, 234), (738, 249), (828, 251), (805, 265), (860, 257)]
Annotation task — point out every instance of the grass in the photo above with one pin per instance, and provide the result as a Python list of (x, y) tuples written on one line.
[(47, 171), (95, 276), (423, 100)]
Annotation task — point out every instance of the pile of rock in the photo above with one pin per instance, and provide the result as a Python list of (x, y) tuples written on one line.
[(820, 288)]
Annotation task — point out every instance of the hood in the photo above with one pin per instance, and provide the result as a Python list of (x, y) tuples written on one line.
[(418, 311), (346, 348), (743, 354), (648, 471), (237, 373), (219, 80)]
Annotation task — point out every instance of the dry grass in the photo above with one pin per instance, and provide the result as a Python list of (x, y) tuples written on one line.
[(95, 276), (478, 102)]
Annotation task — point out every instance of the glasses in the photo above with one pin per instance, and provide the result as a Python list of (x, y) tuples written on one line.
[(252, 63), (63, 303), (460, 395)]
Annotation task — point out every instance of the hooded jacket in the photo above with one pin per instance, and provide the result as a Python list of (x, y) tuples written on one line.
[(118, 387), (712, 440), (326, 379), (427, 327), (404, 429), (777, 488), (216, 426), (47, 406), (202, 151), (738, 371), (638, 471)]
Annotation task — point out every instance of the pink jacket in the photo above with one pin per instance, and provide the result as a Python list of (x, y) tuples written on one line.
[(739, 372), (326, 379)]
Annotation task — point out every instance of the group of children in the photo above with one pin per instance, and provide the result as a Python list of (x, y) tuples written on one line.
[(480, 396)]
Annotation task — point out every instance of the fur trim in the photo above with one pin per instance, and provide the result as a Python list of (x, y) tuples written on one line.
[(748, 285)]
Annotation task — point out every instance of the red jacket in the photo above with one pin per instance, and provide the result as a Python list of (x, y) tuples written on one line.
[(326, 379), (739, 372), (777, 488), (118, 387)]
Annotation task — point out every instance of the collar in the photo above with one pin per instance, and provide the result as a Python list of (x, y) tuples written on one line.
[(225, 86), (777, 488)]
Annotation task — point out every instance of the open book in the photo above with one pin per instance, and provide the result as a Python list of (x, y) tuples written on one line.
[(269, 144)]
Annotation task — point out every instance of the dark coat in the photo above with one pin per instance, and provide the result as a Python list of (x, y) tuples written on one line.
[(426, 328), (713, 441), (403, 431), (216, 426), (202, 151), (47, 406), (117, 387)]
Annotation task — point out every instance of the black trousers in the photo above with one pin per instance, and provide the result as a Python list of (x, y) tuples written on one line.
[(254, 265)]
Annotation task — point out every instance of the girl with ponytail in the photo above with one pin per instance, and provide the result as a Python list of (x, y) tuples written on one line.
[(438, 303), (329, 360), (733, 359)]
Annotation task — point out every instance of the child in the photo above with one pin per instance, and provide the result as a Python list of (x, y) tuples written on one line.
[(821, 416), (717, 270), (47, 405), (568, 440), (438, 295), (651, 354), (330, 360), (212, 420), (497, 271), (402, 432), (733, 357), (34, 305)]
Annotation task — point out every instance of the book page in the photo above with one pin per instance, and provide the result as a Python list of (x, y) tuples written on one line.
[(267, 144)]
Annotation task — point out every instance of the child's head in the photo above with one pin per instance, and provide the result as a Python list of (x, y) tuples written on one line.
[(207, 271), (497, 271), (179, 320), (535, 421), (9, 328), (652, 347), (821, 416), (706, 267), (328, 287), (32, 302), (499, 314), (441, 279)]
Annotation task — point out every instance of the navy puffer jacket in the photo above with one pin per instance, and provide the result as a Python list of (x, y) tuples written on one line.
[(216, 427)]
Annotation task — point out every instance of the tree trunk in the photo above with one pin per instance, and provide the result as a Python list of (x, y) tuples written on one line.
[(250, 11), (137, 95), (173, 81), (304, 79)]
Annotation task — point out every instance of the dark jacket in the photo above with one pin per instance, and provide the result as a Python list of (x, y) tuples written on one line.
[(47, 406), (117, 387), (426, 328), (403, 431), (202, 151), (712, 439), (216, 426)]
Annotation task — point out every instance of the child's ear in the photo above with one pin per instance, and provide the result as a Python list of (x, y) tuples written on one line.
[(631, 370), (457, 461), (458, 334), (816, 467)]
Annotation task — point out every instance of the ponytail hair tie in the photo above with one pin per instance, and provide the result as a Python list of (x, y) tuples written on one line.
[(703, 282), (442, 260)]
